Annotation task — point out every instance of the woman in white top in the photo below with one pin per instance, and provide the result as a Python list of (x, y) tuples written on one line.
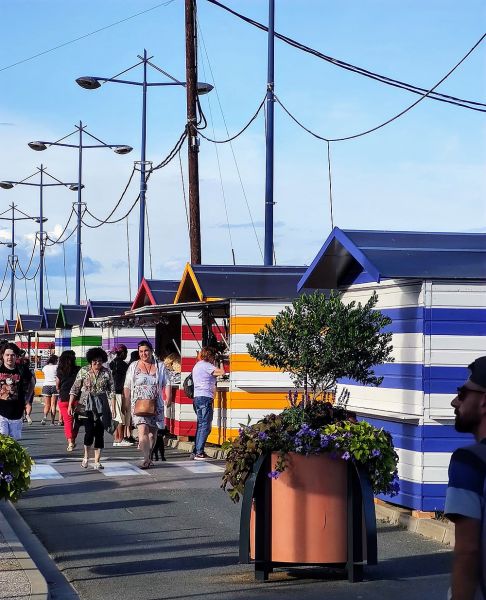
[(49, 390), (146, 379)]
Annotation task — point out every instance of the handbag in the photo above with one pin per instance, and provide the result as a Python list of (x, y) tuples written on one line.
[(188, 386), (144, 407)]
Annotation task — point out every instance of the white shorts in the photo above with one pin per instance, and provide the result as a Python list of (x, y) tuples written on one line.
[(123, 419), (11, 427)]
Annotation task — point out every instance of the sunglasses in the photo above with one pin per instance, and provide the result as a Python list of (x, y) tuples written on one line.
[(463, 391)]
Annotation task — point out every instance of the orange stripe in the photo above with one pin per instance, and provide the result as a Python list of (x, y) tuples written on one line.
[(244, 362), (248, 324)]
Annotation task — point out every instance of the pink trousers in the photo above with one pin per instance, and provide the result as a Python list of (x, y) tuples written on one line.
[(69, 430)]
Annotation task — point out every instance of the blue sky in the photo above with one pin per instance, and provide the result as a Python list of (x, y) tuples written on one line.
[(425, 171)]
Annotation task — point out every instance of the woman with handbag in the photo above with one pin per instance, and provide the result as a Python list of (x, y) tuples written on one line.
[(144, 389), (94, 390)]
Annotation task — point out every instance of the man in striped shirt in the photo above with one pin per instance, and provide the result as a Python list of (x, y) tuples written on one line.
[(466, 492)]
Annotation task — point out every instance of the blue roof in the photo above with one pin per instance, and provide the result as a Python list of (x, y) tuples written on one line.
[(396, 255), (105, 308), (30, 322), (49, 318), (70, 315)]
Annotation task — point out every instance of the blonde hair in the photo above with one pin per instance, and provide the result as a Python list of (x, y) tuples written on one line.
[(173, 362)]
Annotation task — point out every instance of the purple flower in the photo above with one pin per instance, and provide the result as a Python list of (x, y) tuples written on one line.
[(375, 453), (274, 474), (8, 478), (262, 436), (324, 441), (346, 456)]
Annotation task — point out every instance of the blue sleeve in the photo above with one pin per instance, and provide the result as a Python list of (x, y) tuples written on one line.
[(464, 495)]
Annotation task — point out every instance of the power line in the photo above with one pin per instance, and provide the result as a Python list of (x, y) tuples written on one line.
[(470, 104), (198, 131), (86, 35), (394, 118), (65, 272)]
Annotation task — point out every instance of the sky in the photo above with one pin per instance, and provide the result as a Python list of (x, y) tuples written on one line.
[(425, 171)]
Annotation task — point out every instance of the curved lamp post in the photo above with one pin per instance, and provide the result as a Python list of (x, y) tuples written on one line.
[(8, 185), (93, 83), (117, 148)]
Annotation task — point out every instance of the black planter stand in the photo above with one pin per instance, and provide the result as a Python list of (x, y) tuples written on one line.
[(361, 509)]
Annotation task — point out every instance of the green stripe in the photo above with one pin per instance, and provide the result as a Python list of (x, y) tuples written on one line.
[(81, 362), (86, 340)]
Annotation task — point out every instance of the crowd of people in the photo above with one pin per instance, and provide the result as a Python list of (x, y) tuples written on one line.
[(114, 395)]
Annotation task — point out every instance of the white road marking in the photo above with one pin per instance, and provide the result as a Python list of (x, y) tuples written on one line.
[(194, 466), (119, 469), (44, 472)]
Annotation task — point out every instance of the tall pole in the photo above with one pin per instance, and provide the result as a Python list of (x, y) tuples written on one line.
[(12, 265), (143, 183), (41, 242), (270, 102), (193, 140), (78, 232)]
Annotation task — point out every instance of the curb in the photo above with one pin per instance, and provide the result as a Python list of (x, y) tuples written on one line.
[(440, 531), (38, 584), (213, 452)]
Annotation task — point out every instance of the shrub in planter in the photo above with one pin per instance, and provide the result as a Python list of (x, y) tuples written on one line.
[(15, 467), (318, 340)]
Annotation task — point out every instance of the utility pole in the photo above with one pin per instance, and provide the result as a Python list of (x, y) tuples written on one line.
[(193, 140), (268, 256)]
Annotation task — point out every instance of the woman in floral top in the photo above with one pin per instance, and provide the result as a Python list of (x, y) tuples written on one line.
[(94, 390)]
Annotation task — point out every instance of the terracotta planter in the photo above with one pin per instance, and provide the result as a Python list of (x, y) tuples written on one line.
[(309, 511)]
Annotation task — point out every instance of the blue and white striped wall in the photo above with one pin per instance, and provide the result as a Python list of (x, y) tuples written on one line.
[(438, 329)]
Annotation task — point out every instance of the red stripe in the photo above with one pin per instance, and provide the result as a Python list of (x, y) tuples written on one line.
[(187, 363), (196, 332), (184, 428)]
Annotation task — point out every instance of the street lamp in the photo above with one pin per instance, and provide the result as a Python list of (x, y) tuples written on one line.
[(93, 83), (77, 187), (8, 185)]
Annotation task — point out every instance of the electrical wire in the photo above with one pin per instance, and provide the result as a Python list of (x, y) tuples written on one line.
[(395, 117), (27, 297), (183, 192), (1, 308), (148, 239), (172, 153), (58, 241), (47, 281), (7, 293), (198, 131), (105, 220), (470, 104), (330, 182), (129, 267), (65, 272), (84, 277), (82, 37), (116, 220)]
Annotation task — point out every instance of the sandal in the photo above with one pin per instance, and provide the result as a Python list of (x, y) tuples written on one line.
[(70, 447), (146, 464), (98, 466), (84, 463)]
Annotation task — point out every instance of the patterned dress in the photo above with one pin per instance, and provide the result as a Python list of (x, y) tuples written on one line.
[(145, 385)]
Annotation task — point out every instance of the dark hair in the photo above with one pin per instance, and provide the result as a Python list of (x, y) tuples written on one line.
[(67, 364), (145, 343), (134, 356), (207, 353), (52, 360), (12, 346), (94, 353)]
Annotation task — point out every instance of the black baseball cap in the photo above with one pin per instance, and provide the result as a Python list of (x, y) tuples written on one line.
[(478, 371)]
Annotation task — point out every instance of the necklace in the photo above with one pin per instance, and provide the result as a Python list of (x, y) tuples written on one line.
[(143, 367)]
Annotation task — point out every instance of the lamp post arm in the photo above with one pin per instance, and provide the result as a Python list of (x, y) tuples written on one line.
[(110, 80)]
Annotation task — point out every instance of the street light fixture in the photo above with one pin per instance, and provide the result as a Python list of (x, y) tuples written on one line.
[(93, 83), (40, 145), (8, 185)]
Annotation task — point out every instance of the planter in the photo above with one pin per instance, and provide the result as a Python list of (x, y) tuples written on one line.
[(314, 513)]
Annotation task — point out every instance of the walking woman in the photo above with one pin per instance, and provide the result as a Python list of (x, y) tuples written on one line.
[(204, 376), (145, 381), (49, 390), (94, 390), (66, 375)]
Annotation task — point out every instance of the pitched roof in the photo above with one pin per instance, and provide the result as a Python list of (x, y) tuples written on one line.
[(49, 318), (206, 282), (70, 315), (396, 255), (155, 291), (105, 308), (28, 322), (9, 326)]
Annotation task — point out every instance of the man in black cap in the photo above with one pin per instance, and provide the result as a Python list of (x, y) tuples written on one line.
[(466, 492)]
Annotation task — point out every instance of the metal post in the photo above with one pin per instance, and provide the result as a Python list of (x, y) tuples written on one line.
[(270, 104), (41, 242), (143, 184), (12, 266), (78, 232), (192, 139)]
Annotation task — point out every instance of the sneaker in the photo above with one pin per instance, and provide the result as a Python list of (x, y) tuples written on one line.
[(28, 419), (60, 423), (201, 456), (127, 442), (70, 447), (116, 444), (44, 421), (98, 466)]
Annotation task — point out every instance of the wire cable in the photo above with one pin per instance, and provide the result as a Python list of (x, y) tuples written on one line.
[(397, 116), (183, 191), (84, 277), (330, 182), (27, 297), (470, 104), (58, 240), (47, 281), (172, 153), (148, 239), (65, 272), (105, 220), (129, 267)]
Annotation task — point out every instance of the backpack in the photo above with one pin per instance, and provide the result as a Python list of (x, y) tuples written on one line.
[(188, 386)]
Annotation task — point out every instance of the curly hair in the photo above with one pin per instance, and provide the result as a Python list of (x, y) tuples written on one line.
[(208, 354), (94, 353)]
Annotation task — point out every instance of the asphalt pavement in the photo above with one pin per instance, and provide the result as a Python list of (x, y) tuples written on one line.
[(171, 533)]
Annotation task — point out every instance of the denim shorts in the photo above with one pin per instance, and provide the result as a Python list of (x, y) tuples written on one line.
[(49, 390)]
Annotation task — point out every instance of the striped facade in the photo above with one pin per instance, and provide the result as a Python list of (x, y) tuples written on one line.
[(62, 340), (82, 339), (438, 329), (130, 336)]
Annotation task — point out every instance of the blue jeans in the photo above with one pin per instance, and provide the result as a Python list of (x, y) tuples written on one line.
[(203, 407)]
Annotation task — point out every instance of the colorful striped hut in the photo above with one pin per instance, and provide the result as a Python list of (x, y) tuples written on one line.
[(433, 286)]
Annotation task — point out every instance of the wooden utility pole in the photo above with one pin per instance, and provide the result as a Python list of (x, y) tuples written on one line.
[(192, 139)]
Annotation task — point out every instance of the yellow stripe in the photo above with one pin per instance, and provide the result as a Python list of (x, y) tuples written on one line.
[(256, 401), (248, 324), (244, 362)]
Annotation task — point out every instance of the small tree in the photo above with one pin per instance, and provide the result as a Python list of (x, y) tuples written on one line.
[(320, 339)]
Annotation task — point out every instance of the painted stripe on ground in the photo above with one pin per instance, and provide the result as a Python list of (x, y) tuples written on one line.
[(121, 469), (44, 472), (194, 466)]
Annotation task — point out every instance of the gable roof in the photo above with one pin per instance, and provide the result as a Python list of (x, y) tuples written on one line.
[(28, 322), (155, 291), (212, 282), (70, 315), (104, 308), (396, 255), (49, 318), (9, 326)]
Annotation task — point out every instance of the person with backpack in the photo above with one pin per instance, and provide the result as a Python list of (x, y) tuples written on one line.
[(466, 492)]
